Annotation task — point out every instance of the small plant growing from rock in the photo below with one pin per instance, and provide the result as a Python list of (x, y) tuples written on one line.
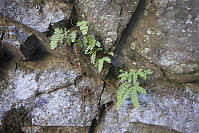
[(84, 40), (130, 86)]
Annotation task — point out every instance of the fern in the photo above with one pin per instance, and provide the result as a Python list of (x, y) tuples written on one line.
[(73, 36), (57, 36), (100, 63), (93, 57), (83, 27), (122, 94), (84, 40), (131, 88)]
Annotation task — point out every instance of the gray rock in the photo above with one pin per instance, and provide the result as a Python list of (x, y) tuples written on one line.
[(20, 40), (166, 35), (53, 91), (37, 129), (45, 12), (107, 18), (165, 105)]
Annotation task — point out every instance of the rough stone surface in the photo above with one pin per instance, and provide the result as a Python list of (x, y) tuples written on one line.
[(20, 40), (163, 36), (108, 18), (38, 14), (166, 34), (52, 90), (165, 105), (37, 129)]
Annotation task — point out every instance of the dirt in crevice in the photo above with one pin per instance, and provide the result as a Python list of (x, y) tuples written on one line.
[(14, 119)]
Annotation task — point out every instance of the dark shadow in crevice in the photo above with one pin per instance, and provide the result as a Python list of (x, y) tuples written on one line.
[(14, 119), (38, 55), (65, 23), (119, 60), (29, 46), (99, 117), (4, 58), (131, 26)]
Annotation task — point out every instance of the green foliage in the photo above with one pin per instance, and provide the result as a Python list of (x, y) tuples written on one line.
[(83, 27), (130, 85), (92, 47), (100, 63), (57, 36)]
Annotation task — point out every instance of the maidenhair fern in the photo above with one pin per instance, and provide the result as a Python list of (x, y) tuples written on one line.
[(83, 27), (130, 85), (57, 36), (100, 63), (91, 46)]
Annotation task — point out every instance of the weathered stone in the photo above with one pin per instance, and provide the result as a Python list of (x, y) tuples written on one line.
[(165, 105), (54, 92), (37, 14), (166, 35), (20, 40), (37, 129), (1, 50), (107, 18), (138, 127)]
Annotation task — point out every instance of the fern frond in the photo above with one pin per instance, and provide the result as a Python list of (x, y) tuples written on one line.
[(93, 57), (140, 89), (85, 41), (123, 76), (92, 42), (98, 44), (126, 78), (57, 36), (148, 71), (79, 43), (100, 65), (73, 36), (111, 53), (134, 98), (107, 59), (83, 27), (122, 94)]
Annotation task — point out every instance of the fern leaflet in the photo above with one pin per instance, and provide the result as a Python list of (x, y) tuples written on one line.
[(83, 27), (133, 88)]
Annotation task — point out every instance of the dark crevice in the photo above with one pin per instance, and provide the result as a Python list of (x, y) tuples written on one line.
[(102, 111), (66, 23), (131, 26), (53, 90), (38, 55), (14, 119), (114, 69), (119, 60)]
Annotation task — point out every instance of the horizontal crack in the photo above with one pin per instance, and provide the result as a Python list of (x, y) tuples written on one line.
[(54, 90)]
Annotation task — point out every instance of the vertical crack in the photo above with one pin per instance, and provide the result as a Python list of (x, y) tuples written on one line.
[(139, 11), (129, 29)]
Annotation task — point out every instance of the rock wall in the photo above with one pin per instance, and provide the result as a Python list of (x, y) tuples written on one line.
[(44, 93)]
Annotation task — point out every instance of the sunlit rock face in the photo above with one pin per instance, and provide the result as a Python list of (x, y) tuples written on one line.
[(52, 91), (38, 14), (165, 107), (107, 18), (57, 96), (166, 34), (164, 38)]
